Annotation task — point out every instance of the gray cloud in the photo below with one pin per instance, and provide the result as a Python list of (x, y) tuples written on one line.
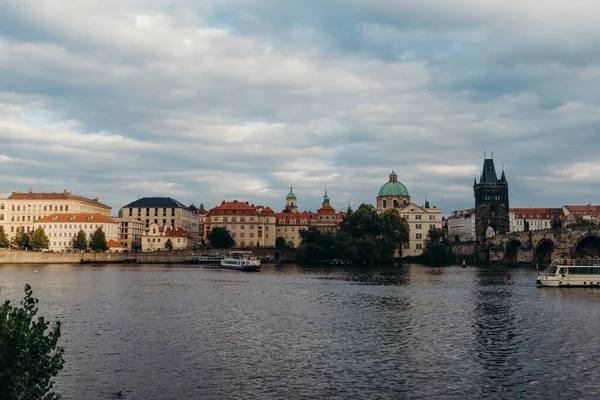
[(242, 98)]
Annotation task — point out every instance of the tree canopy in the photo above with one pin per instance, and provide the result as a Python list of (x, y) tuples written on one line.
[(169, 244), (20, 240), (363, 235), (29, 356), (220, 238), (279, 241), (437, 247), (39, 240), (98, 240), (80, 241), (4, 242)]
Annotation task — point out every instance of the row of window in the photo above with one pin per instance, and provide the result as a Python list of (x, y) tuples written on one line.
[(157, 240), (234, 235), (29, 208), (233, 219)]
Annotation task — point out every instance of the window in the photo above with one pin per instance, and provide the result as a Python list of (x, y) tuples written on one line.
[(2, 206), (251, 219), (419, 236), (1, 217), (215, 219), (224, 219), (419, 246), (251, 234), (242, 234), (384, 203), (431, 226), (281, 221), (418, 216), (417, 226), (303, 221), (233, 219)]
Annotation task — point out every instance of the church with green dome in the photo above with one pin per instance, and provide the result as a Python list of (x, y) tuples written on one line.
[(394, 195)]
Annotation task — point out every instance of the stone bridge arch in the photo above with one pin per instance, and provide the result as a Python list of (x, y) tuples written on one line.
[(543, 251), (587, 245), (512, 247)]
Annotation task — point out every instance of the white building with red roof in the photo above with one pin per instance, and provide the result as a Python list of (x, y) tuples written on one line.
[(249, 225), (157, 236), (61, 229), (532, 219), (22, 210)]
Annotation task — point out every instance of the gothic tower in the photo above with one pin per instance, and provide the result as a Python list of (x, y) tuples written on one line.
[(491, 203)]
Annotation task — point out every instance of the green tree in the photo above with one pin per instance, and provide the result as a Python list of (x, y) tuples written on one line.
[(98, 240), (4, 242), (39, 240), (279, 241), (169, 245), (21, 239), (583, 223), (220, 238), (29, 357), (80, 241), (437, 247)]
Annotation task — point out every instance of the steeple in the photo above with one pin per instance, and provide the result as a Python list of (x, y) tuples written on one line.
[(503, 177), (325, 198)]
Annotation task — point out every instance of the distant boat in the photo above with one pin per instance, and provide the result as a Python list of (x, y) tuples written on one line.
[(464, 264), (241, 261)]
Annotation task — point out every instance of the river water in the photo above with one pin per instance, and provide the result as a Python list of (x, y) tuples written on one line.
[(176, 332)]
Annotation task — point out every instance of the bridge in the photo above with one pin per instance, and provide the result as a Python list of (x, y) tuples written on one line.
[(544, 246)]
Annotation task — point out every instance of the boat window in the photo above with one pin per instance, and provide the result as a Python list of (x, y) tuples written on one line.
[(583, 271), (574, 271)]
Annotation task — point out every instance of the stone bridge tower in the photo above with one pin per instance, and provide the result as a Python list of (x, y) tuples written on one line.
[(491, 204)]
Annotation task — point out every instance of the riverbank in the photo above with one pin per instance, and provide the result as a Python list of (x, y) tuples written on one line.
[(163, 257)]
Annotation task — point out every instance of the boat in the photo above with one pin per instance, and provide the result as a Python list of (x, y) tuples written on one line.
[(571, 272), (210, 258), (241, 261)]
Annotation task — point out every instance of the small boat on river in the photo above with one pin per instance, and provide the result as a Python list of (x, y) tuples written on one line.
[(571, 272), (241, 261)]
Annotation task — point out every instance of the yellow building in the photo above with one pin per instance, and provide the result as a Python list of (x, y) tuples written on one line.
[(62, 229), (249, 225), (22, 210), (156, 238), (393, 195), (130, 233)]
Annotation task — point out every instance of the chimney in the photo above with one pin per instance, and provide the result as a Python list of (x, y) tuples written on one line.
[(30, 190), (65, 191)]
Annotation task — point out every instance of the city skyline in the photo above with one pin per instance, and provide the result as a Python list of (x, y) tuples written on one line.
[(242, 99)]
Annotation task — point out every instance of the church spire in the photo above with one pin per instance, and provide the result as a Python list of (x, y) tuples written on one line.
[(325, 198)]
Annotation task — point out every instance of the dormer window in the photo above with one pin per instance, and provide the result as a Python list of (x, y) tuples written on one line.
[(71, 218)]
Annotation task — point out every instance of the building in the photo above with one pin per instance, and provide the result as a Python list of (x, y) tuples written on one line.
[(164, 211), (394, 195), (533, 219), (156, 238), (115, 247), (327, 219), (203, 224), (61, 229), (23, 210), (491, 203), (587, 212), (249, 225), (461, 225), (130, 233)]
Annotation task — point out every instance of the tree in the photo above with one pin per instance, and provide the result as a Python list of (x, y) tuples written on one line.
[(279, 242), (98, 240), (80, 241), (39, 240), (437, 247), (220, 238), (169, 245), (4, 242), (29, 357), (21, 239)]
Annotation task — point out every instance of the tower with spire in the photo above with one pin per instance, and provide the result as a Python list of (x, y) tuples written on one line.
[(491, 203), (291, 205)]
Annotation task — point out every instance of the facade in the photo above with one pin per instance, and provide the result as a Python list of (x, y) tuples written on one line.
[(394, 195), (327, 219), (156, 237), (249, 225), (533, 219), (203, 224), (587, 212), (461, 225), (164, 211), (23, 210), (61, 229), (130, 233), (491, 203)]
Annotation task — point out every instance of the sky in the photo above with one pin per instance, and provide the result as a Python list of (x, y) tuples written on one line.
[(214, 100)]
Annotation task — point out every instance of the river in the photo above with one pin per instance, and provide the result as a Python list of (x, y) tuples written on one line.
[(180, 332)]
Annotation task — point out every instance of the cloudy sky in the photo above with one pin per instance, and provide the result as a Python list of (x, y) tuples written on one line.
[(214, 100)]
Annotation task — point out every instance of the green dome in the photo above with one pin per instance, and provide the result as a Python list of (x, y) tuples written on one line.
[(291, 195), (393, 187)]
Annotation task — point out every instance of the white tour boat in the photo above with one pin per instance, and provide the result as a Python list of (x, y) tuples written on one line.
[(571, 272), (241, 260)]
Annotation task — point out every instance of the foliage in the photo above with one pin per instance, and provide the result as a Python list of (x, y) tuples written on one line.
[(29, 357), (437, 247), (80, 241), (21, 239), (279, 242), (39, 240), (220, 238), (4, 242), (583, 223), (98, 240), (362, 235), (556, 224), (169, 244)]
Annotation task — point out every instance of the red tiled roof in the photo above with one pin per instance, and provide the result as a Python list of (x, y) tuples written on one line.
[(298, 216), (584, 210), (66, 195), (228, 208), (461, 213), (169, 231), (536, 213), (111, 244), (77, 218), (326, 209)]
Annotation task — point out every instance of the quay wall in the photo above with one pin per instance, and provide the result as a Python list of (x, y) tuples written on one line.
[(164, 257)]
